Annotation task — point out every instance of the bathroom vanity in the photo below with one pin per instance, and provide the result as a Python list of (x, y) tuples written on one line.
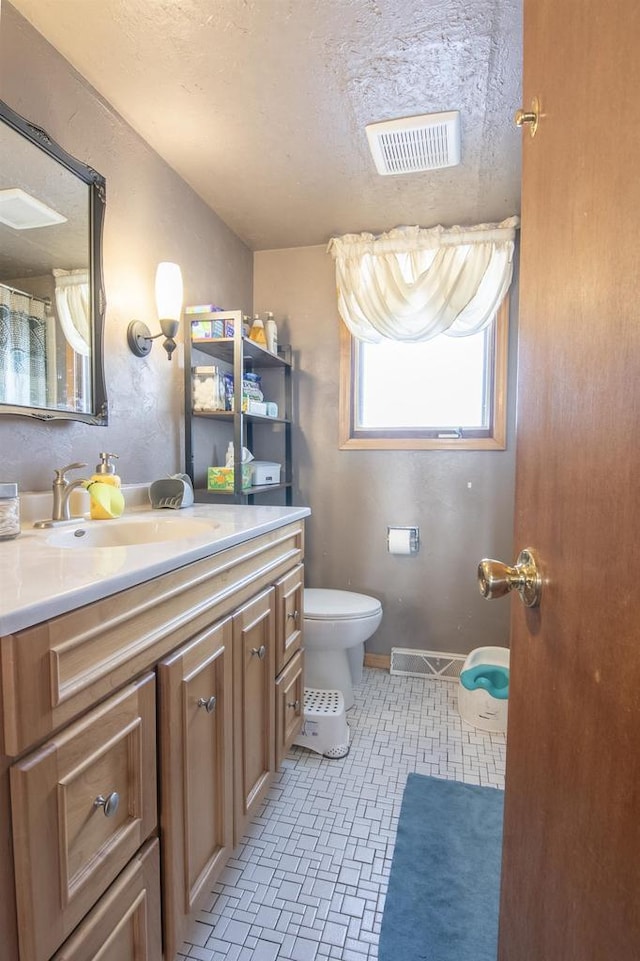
[(150, 687)]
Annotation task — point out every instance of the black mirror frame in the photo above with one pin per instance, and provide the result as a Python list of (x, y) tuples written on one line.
[(97, 203)]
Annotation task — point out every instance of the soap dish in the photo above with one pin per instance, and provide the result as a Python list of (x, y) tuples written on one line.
[(173, 492)]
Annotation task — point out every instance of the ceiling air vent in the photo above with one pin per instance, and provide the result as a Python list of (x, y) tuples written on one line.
[(21, 211), (410, 144)]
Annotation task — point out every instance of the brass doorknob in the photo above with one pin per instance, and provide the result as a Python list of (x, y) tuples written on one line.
[(529, 118), (496, 579)]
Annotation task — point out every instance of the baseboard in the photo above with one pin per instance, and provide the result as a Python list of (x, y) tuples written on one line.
[(381, 661)]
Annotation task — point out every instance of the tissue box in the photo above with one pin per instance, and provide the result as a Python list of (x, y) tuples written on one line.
[(221, 478), (265, 472), (206, 329)]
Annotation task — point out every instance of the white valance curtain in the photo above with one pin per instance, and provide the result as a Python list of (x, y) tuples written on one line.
[(73, 306), (414, 283)]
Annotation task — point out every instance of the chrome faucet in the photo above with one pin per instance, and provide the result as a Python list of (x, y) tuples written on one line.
[(62, 488)]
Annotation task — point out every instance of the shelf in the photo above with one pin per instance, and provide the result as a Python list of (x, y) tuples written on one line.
[(254, 354), (228, 415), (237, 427), (202, 494)]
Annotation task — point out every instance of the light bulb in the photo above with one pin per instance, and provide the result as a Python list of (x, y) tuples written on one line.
[(169, 291)]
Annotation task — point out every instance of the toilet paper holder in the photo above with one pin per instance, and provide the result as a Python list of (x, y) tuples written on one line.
[(414, 537)]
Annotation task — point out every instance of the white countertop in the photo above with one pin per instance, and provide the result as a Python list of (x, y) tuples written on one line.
[(40, 579)]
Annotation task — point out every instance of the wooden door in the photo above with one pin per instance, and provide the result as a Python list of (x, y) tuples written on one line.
[(571, 869), (254, 705), (196, 774)]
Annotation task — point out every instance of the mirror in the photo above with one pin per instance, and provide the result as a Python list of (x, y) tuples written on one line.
[(51, 289)]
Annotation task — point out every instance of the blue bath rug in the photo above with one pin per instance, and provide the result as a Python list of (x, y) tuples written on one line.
[(442, 902)]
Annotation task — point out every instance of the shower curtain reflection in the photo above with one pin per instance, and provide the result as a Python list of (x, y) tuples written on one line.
[(25, 349), (45, 344)]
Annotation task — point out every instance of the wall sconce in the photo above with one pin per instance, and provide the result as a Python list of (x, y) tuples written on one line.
[(169, 292)]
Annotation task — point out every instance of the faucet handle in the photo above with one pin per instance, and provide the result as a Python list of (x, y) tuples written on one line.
[(61, 471)]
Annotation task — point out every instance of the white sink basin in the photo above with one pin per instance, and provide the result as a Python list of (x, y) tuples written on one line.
[(130, 532)]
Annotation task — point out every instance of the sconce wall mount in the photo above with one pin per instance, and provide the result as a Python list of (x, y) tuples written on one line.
[(169, 294), (140, 340)]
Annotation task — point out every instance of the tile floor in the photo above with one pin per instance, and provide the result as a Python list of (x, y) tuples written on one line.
[(308, 882)]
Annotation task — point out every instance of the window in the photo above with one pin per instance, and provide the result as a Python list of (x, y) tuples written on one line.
[(445, 393)]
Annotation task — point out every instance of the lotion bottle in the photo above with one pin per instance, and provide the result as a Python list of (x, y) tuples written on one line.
[(257, 333), (271, 331), (106, 474)]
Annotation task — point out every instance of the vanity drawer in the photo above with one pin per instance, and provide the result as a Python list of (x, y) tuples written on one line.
[(289, 615), (125, 923), (82, 805), (289, 705)]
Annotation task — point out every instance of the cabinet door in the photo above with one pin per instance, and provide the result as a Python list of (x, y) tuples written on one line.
[(289, 705), (289, 616), (125, 923), (195, 698), (82, 804), (254, 701)]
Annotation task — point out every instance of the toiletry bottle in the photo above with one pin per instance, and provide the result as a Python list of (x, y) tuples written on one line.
[(228, 461), (105, 474), (257, 333), (271, 331)]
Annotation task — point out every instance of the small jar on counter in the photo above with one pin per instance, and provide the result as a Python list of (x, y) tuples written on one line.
[(9, 512)]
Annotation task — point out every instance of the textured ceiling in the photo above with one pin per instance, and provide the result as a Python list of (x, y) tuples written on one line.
[(260, 105)]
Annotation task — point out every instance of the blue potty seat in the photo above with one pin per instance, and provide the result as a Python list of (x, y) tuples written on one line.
[(487, 677)]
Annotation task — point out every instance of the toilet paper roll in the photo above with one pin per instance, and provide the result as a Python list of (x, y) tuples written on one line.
[(400, 540)]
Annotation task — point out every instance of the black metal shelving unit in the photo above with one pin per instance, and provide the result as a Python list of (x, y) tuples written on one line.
[(240, 355)]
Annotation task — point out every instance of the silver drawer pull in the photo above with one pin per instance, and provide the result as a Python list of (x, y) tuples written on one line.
[(293, 616), (294, 704), (208, 703), (260, 651), (109, 803)]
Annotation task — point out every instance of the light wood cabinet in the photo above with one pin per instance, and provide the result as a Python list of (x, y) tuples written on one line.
[(196, 763), (289, 616), (289, 705), (207, 644), (82, 805), (125, 923), (254, 701)]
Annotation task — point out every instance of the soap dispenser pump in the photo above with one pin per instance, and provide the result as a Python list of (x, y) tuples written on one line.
[(105, 473)]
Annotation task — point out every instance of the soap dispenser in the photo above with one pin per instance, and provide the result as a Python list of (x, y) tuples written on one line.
[(105, 474)]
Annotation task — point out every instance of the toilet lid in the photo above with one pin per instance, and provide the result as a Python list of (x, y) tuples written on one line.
[(323, 604)]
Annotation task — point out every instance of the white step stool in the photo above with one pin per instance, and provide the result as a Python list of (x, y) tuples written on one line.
[(324, 729)]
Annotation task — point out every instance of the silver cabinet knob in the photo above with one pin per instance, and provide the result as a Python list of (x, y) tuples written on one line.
[(208, 703), (259, 651), (294, 704), (293, 616), (109, 803)]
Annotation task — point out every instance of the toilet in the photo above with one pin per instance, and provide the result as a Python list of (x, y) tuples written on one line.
[(336, 625)]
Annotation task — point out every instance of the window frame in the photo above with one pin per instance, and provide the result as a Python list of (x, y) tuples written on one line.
[(384, 439)]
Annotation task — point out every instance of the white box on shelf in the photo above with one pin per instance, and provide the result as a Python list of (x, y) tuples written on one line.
[(257, 407), (265, 472)]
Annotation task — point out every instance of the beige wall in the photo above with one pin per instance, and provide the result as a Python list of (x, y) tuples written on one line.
[(151, 215), (430, 600), (462, 502)]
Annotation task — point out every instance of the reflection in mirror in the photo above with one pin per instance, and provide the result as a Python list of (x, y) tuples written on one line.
[(51, 294)]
